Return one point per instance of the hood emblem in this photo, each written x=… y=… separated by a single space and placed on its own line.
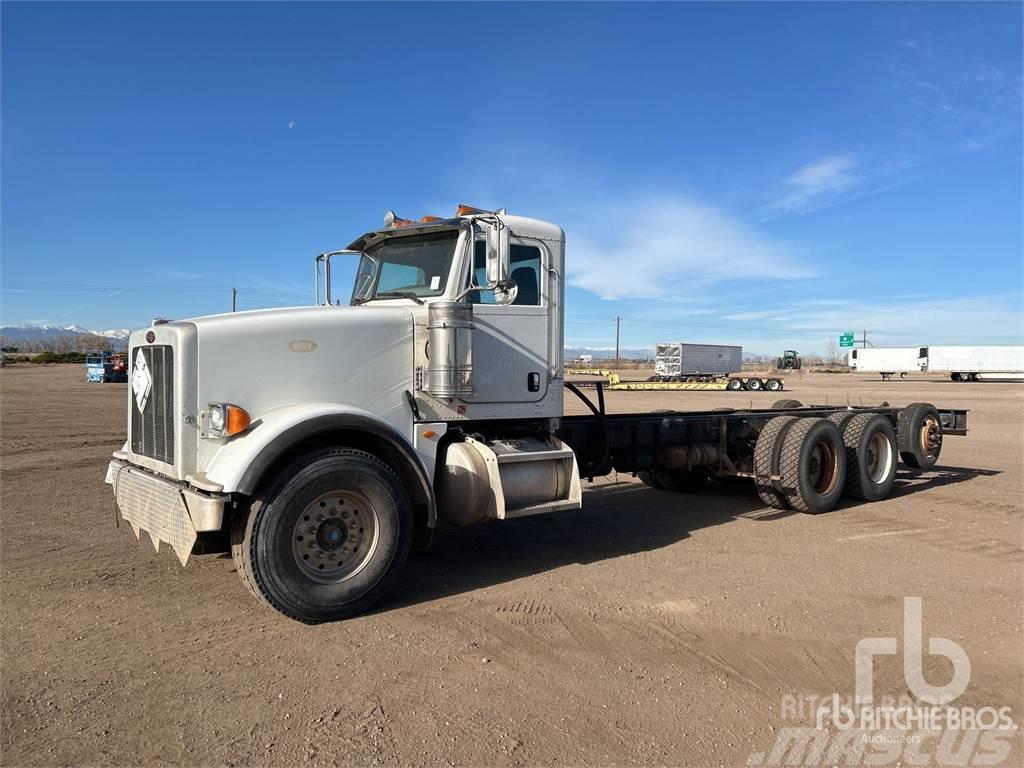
x=142 y=381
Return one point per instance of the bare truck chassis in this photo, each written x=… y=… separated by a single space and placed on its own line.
x=679 y=450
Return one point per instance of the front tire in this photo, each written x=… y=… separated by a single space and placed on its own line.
x=327 y=538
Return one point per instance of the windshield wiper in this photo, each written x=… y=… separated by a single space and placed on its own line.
x=400 y=295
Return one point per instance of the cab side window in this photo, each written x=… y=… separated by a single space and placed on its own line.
x=524 y=262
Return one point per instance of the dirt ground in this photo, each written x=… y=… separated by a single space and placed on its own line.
x=649 y=628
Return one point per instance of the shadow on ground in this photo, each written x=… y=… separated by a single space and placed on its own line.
x=617 y=519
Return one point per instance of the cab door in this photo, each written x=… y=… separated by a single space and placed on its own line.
x=510 y=343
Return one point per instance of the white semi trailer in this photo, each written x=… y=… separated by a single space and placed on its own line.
x=973 y=363
x=328 y=441
x=887 y=361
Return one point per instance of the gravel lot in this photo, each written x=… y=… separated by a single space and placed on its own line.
x=650 y=628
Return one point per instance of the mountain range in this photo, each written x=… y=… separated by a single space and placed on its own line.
x=22 y=333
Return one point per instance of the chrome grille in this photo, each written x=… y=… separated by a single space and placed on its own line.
x=153 y=429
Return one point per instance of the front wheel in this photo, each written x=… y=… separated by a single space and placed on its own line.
x=328 y=537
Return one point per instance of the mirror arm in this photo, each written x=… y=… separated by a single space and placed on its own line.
x=325 y=259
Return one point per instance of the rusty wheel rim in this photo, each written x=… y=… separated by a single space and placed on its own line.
x=930 y=436
x=823 y=467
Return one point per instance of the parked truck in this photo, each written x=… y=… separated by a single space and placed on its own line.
x=887 y=361
x=329 y=441
x=973 y=363
x=106 y=366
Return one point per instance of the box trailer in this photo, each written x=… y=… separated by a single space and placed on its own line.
x=973 y=363
x=695 y=362
x=886 y=361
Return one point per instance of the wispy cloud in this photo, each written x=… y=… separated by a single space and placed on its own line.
x=817 y=184
x=948 y=93
x=670 y=248
x=895 y=322
x=178 y=274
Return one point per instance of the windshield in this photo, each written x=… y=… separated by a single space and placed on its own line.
x=411 y=267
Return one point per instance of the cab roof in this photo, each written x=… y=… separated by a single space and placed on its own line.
x=521 y=226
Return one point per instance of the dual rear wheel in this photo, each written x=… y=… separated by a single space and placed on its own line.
x=808 y=464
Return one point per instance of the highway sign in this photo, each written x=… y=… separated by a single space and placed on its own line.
x=846 y=339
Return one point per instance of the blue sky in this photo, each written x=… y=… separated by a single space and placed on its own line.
x=764 y=174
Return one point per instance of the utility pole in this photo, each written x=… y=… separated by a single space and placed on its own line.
x=618 y=322
x=234 y=299
x=864 y=340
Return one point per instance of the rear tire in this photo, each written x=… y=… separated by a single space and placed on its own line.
x=650 y=479
x=767 y=451
x=841 y=418
x=681 y=480
x=734 y=385
x=774 y=385
x=870 y=443
x=813 y=465
x=783 y=405
x=316 y=566
x=919 y=435
x=754 y=385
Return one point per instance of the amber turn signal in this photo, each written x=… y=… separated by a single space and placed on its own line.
x=237 y=420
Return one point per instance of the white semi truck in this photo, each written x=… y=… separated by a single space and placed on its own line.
x=973 y=363
x=887 y=361
x=328 y=441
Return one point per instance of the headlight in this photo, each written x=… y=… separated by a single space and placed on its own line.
x=225 y=420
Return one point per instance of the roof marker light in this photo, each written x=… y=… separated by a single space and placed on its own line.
x=392 y=220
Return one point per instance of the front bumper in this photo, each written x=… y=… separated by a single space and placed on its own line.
x=168 y=511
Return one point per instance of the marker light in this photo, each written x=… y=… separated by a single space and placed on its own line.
x=467 y=210
x=392 y=220
x=428 y=219
x=225 y=419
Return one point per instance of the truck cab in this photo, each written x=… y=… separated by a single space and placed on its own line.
x=448 y=348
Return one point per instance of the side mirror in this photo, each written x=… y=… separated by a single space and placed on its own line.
x=497 y=254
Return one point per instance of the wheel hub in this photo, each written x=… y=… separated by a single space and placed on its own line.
x=334 y=536
x=931 y=436
x=823 y=467
x=331 y=534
